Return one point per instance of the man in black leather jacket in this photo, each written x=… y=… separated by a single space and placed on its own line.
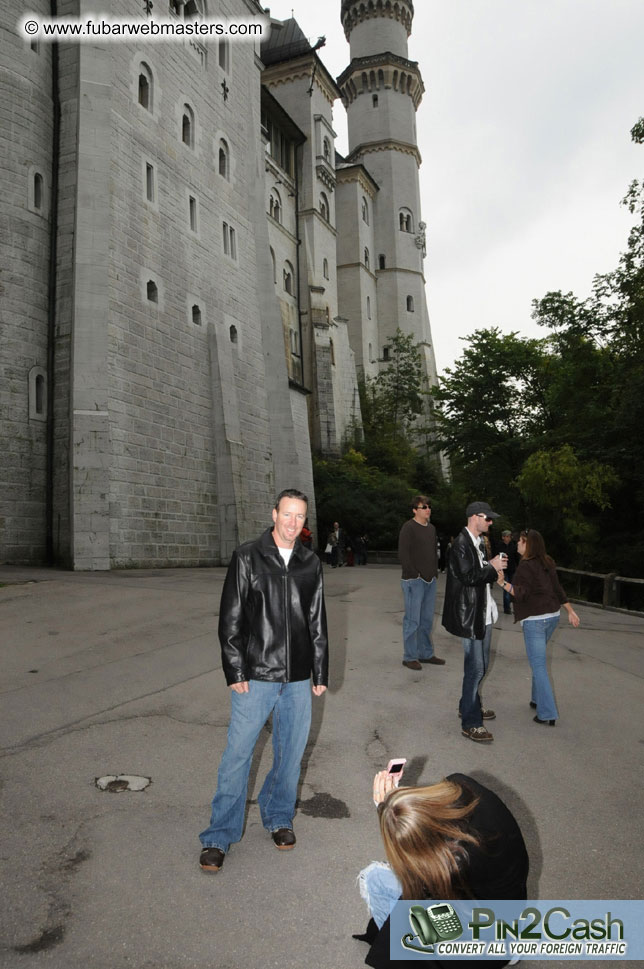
x=469 y=611
x=273 y=635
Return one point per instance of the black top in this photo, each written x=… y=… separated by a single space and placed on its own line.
x=498 y=868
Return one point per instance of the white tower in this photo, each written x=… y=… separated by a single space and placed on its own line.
x=381 y=90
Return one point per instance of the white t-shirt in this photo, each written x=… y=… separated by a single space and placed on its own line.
x=285 y=553
x=491 y=611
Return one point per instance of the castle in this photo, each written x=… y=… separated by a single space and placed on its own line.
x=192 y=278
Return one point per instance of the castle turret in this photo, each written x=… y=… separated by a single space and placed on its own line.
x=381 y=90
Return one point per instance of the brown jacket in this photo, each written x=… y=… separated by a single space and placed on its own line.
x=536 y=590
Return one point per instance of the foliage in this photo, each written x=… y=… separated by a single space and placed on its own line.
x=363 y=499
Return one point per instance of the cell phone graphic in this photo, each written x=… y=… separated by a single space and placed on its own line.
x=436 y=923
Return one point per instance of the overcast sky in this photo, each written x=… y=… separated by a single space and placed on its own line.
x=524 y=131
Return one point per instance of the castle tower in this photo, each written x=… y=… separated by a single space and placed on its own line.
x=381 y=90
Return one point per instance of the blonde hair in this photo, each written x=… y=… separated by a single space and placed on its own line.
x=425 y=835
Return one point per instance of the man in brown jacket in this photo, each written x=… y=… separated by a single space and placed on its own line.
x=417 y=554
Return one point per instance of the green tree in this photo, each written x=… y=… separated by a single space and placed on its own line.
x=391 y=404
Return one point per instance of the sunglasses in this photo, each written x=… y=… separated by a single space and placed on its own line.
x=487 y=517
x=423 y=506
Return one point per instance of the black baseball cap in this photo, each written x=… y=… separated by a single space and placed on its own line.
x=480 y=508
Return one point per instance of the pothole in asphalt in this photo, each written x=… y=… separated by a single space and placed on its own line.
x=114 y=783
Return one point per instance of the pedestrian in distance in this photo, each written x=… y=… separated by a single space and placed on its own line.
x=510 y=548
x=417 y=554
x=470 y=611
x=273 y=636
x=450 y=840
x=538 y=598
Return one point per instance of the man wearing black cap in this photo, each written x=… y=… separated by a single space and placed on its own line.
x=470 y=612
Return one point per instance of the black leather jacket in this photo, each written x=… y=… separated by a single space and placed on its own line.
x=272 y=619
x=465 y=595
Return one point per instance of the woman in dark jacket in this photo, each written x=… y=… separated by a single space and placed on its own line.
x=538 y=598
x=471 y=847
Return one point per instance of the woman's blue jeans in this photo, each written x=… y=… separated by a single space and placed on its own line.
x=536 y=633
x=420 y=600
x=290 y=704
x=380 y=889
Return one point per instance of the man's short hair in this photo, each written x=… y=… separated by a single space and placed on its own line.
x=420 y=500
x=290 y=493
x=506 y=531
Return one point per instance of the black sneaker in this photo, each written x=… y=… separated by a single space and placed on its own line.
x=211 y=859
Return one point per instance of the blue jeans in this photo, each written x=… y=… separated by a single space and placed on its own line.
x=290 y=704
x=380 y=889
x=536 y=633
x=475 y=664
x=420 y=599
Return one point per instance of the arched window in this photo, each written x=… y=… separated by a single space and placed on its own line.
x=326 y=149
x=40 y=394
x=188 y=126
x=38 y=190
x=332 y=349
x=410 y=304
x=365 y=210
x=152 y=291
x=273 y=264
x=224 y=158
x=288 y=277
x=275 y=205
x=366 y=258
x=368 y=307
x=385 y=353
x=324 y=207
x=233 y=333
x=325 y=268
x=193 y=9
x=196 y=315
x=370 y=353
x=374 y=100
x=382 y=262
x=406 y=221
x=146 y=87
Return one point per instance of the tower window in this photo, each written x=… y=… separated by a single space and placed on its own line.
x=365 y=210
x=224 y=158
x=149 y=182
x=196 y=315
x=366 y=258
x=382 y=262
x=288 y=276
x=192 y=210
x=224 y=55
x=152 y=291
x=145 y=87
x=374 y=100
x=385 y=353
x=37 y=190
x=275 y=205
x=230 y=240
x=273 y=264
x=326 y=148
x=406 y=221
x=233 y=333
x=188 y=126
x=325 y=268
x=368 y=307
x=332 y=349
x=324 y=207
x=410 y=304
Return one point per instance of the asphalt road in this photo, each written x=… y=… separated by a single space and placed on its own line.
x=107 y=674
